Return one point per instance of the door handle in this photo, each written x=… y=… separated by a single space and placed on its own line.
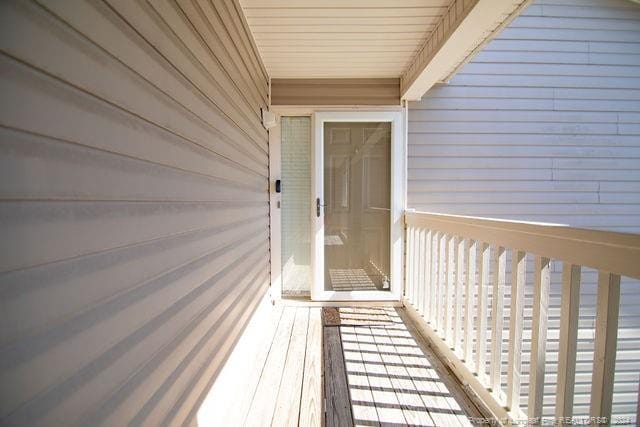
x=318 y=206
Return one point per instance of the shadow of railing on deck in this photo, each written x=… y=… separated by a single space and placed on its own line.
x=388 y=378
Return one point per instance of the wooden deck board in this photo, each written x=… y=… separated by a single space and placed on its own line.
x=384 y=396
x=287 y=410
x=264 y=399
x=413 y=407
x=357 y=380
x=311 y=402
x=338 y=408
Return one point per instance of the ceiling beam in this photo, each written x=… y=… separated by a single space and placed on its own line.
x=465 y=26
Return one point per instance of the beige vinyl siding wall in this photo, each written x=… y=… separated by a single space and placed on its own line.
x=544 y=125
x=133 y=206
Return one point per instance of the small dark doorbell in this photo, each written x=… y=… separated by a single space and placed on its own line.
x=278 y=186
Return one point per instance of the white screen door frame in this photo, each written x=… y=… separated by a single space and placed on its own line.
x=398 y=195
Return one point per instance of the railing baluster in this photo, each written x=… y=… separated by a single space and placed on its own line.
x=570 y=303
x=420 y=249
x=444 y=280
x=604 y=360
x=451 y=283
x=435 y=279
x=541 y=284
x=442 y=283
x=427 y=275
x=516 y=318
x=457 y=319
x=408 y=290
x=416 y=264
x=483 y=289
x=468 y=305
x=497 y=305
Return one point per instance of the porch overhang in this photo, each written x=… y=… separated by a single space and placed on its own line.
x=339 y=48
x=461 y=32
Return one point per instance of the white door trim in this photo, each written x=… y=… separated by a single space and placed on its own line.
x=398 y=185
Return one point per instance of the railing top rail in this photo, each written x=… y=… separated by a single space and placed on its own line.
x=617 y=253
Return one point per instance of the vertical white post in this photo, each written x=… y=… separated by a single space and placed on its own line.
x=416 y=266
x=497 y=319
x=541 y=284
x=516 y=319
x=469 y=301
x=442 y=283
x=483 y=289
x=570 y=303
x=426 y=295
x=458 y=298
x=421 y=279
x=451 y=279
x=435 y=280
x=604 y=360
x=408 y=287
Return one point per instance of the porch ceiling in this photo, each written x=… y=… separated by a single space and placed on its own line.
x=341 y=38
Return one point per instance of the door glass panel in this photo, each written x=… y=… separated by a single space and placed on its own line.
x=357 y=196
x=295 y=204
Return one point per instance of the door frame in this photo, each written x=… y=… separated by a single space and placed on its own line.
x=397 y=203
x=397 y=116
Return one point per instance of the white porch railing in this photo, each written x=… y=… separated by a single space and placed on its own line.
x=450 y=273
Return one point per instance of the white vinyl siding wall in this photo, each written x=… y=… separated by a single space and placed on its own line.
x=544 y=125
x=133 y=206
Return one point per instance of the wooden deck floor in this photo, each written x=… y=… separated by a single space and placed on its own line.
x=372 y=368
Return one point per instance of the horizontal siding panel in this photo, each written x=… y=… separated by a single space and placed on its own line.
x=469 y=173
x=542 y=46
x=55 y=170
x=483 y=104
x=51 y=231
x=504 y=197
x=589 y=118
x=557 y=81
x=552 y=69
x=524 y=140
x=514 y=128
x=133 y=190
x=577 y=22
x=65 y=292
x=543 y=126
x=593 y=11
x=45 y=107
x=570 y=34
x=500 y=151
x=506 y=186
x=475 y=162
